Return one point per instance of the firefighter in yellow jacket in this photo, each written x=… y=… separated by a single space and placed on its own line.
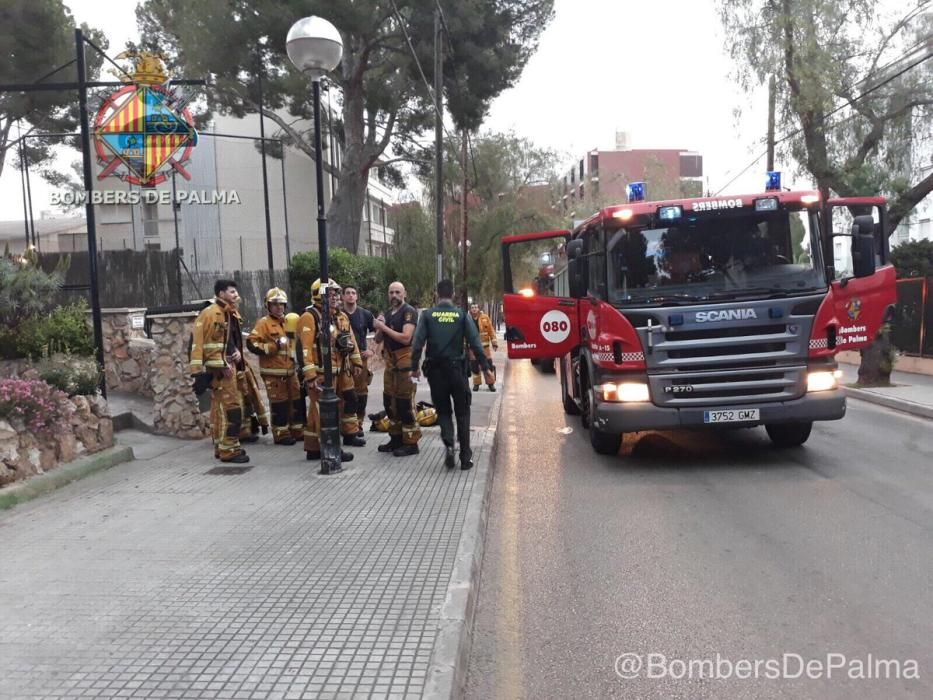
x=345 y=362
x=487 y=336
x=269 y=340
x=217 y=348
x=254 y=410
x=394 y=329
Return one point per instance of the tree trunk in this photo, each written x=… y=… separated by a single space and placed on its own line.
x=345 y=215
x=877 y=360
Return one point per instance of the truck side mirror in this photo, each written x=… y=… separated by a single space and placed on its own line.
x=574 y=249
x=576 y=272
x=863 y=246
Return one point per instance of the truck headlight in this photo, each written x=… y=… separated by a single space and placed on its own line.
x=626 y=392
x=824 y=380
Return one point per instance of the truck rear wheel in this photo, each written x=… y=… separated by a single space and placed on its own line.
x=570 y=406
x=789 y=434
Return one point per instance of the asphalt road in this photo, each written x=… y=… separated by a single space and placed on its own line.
x=711 y=553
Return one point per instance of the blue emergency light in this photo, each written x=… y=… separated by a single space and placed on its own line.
x=773 y=181
x=635 y=192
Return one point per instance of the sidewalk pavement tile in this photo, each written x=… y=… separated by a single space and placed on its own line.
x=910 y=392
x=157 y=579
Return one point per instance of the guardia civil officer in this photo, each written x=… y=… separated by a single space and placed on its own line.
x=444 y=328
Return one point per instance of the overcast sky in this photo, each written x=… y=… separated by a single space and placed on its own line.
x=655 y=69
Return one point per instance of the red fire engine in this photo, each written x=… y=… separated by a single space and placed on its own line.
x=719 y=311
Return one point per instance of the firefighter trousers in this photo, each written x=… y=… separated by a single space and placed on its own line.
x=226 y=416
x=254 y=411
x=399 y=396
x=287 y=413
x=349 y=425
x=489 y=375
x=361 y=387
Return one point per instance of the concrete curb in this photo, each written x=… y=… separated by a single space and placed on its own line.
x=911 y=407
x=65 y=474
x=446 y=676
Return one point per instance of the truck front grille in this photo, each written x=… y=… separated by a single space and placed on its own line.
x=727 y=387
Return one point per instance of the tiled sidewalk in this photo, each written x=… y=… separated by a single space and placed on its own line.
x=157 y=579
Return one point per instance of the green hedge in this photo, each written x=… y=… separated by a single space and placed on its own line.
x=369 y=275
x=63 y=330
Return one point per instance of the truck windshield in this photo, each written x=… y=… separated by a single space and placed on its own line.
x=716 y=256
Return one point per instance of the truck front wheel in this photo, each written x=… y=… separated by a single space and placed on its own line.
x=603 y=443
x=789 y=434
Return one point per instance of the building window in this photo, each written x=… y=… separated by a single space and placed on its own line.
x=151 y=220
x=581 y=170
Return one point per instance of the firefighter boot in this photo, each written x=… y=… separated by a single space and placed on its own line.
x=406 y=451
x=394 y=443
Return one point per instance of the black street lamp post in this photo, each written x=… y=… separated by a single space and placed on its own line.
x=314 y=46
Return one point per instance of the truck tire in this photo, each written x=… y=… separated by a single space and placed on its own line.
x=586 y=402
x=570 y=406
x=789 y=434
x=605 y=443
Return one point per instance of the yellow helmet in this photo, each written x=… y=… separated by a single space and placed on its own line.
x=426 y=417
x=276 y=295
x=381 y=425
x=316 y=289
x=291 y=322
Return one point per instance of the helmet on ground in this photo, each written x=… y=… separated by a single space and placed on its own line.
x=291 y=322
x=380 y=422
x=426 y=417
x=277 y=296
x=316 y=287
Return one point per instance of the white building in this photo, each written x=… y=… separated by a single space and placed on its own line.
x=918 y=225
x=230 y=234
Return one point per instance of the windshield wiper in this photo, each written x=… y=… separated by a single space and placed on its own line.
x=661 y=298
x=762 y=292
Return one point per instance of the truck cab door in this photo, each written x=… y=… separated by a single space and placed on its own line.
x=864 y=286
x=540 y=315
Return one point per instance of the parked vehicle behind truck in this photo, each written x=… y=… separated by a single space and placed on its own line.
x=703 y=312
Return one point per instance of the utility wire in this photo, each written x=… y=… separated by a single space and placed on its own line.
x=826 y=116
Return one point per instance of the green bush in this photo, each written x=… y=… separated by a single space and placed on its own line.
x=76 y=376
x=64 y=330
x=366 y=273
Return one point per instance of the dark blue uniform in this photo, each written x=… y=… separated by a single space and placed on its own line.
x=445 y=330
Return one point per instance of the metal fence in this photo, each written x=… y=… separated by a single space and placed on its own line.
x=147 y=279
x=913 y=325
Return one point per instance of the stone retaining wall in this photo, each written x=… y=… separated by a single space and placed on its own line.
x=127 y=351
x=23 y=454
x=176 y=409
